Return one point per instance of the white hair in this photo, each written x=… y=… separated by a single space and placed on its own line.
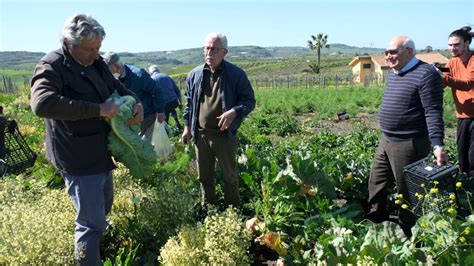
x=79 y=27
x=153 y=68
x=217 y=35
x=409 y=43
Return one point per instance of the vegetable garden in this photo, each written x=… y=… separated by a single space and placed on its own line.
x=303 y=188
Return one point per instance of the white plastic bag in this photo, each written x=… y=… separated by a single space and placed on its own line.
x=160 y=140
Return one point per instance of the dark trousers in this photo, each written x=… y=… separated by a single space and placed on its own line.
x=387 y=168
x=465 y=144
x=170 y=108
x=223 y=147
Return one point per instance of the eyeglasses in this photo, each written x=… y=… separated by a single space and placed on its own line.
x=393 y=51
x=212 y=49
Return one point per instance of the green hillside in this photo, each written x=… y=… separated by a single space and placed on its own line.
x=258 y=62
x=168 y=59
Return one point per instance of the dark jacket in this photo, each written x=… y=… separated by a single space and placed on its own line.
x=68 y=99
x=167 y=87
x=140 y=82
x=235 y=92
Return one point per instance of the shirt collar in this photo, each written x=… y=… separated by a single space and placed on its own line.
x=412 y=63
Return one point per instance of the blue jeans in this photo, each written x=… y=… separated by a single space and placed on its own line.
x=92 y=196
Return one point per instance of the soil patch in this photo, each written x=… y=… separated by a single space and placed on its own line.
x=344 y=124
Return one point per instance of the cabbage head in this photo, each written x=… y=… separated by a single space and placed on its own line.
x=125 y=144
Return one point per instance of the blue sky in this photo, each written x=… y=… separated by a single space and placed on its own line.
x=163 y=25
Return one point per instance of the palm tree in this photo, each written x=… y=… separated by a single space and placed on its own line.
x=317 y=42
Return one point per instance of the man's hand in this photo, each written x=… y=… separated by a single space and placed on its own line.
x=161 y=117
x=137 y=115
x=186 y=135
x=109 y=109
x=440 y=155
x=226 y=119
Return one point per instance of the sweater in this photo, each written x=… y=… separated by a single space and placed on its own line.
x=461 y=79
x=412 y=105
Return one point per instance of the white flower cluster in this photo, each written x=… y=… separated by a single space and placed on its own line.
x=221 y=240
x=36 y=226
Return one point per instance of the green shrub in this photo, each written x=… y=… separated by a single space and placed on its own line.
x=149 y=215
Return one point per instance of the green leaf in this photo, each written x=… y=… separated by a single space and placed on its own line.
x=125 y=143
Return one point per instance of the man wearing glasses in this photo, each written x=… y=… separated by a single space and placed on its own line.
x=218 y=98
x=411 y=121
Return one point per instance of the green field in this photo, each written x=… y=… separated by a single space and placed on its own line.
x=304 y=160
x=303 y=176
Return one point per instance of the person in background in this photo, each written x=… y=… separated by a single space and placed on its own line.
x=461 y=80
x=69 y=89
x=218 y=98
x=139 y=81
x=411 y=121
x=170 y=91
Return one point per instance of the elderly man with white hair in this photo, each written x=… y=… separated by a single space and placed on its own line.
x=69 y=90
x=411 y=121
x=218 y=98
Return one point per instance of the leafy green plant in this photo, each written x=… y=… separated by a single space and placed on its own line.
x=124 y=142
x=125 y=256
x=148 y=213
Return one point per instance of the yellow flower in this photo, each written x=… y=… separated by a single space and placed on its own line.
x=440 y=224
x=458 y=184
x=404 y=206
x=462 y=239
x=452 y=196
x=422 y=185
x=419 y=196
x=434 y=191
x=436 y=182
x=439 y=240
x=451 y=211
x=400 y=196
x=466 y=231
x=397 y=201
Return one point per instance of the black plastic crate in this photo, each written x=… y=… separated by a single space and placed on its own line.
x=420 y=178
x=15 y=154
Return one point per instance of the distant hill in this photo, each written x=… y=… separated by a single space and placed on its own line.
x=26 y=60
x=19 y=60
x=258 y=62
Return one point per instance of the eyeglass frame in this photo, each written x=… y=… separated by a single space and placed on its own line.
x=394 y=51
x=210 y=49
